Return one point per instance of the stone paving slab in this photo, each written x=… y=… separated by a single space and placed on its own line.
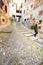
x=17 y=46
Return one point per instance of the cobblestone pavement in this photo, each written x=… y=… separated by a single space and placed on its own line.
x=15 y=48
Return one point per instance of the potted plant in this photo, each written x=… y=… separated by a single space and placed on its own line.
x=40 y=21
x=41 y=63
x=32 y=26
x=12 y=19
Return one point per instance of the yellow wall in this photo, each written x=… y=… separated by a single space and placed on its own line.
x=5 y=2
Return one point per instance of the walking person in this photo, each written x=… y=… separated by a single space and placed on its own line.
x=36 y=30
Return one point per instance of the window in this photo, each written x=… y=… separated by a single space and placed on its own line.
x=18 y=11
x=24 y=11
x=25 y=0
x=24 y=19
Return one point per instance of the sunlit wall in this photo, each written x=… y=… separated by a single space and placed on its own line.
x=18 y=2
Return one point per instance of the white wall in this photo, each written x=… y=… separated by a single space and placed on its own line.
x=12 y=9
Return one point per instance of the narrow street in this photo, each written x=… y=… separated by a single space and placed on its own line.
x=21 y=32
x=16 y=47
